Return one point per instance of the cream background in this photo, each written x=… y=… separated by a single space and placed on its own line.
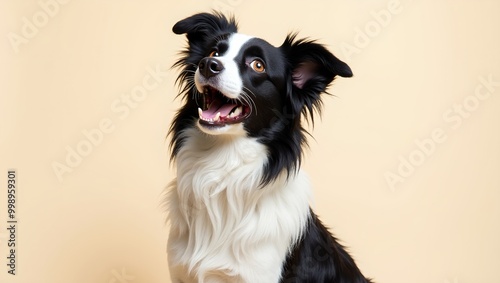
x=441 y=225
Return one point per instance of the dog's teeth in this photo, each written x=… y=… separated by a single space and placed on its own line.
x=200 y=112
x=217 y=117
x=236 y=112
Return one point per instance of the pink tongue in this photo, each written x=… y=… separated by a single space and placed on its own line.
x=215 y=108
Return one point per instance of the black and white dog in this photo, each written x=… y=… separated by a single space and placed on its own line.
x=239 y=207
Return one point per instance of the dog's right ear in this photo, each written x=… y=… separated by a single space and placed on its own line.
x=201 y=26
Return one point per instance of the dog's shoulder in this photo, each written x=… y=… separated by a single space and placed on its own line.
x=319 y=257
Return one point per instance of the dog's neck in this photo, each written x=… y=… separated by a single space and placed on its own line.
x=208 y=165
x=220 y=205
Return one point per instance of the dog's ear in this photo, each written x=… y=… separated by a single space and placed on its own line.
x=201 y=26
x=312 y=69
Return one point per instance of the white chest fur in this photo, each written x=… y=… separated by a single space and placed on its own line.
x=224 y=226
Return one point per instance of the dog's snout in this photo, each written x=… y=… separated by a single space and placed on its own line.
x=210 y=67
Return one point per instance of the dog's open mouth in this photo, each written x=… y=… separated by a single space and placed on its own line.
x=218 y=110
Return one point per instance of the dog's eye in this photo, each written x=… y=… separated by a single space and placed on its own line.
x=214 y=53
x=258 y=66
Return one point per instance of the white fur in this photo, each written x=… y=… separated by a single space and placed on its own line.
x=224 y=227
x=229 y=129
x=228 y=81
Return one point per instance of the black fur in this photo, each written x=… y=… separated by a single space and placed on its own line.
x=201 y=30
x=318 y=257
x=282 y=97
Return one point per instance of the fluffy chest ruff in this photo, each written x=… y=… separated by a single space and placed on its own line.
x=226 y=227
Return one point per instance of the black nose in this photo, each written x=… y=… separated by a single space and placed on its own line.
x=210 y=67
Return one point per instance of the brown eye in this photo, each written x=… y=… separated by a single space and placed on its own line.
x=213 y=54
x=258 y=66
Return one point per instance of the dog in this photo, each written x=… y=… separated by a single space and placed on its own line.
x=239 y=206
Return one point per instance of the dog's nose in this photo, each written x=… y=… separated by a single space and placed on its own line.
x=210 y=67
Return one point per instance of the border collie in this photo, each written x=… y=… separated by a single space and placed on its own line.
x=239 y=207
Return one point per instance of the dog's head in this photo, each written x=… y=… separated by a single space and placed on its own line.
x=235 y=84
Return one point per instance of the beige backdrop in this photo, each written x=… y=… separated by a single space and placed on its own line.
x=405 y=162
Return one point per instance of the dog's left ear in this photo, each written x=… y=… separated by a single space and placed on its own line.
x=202 y=26
x=313 y=68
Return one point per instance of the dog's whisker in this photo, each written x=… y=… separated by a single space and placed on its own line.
x=249 y=99
x=249 y=90
x=245 y=97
